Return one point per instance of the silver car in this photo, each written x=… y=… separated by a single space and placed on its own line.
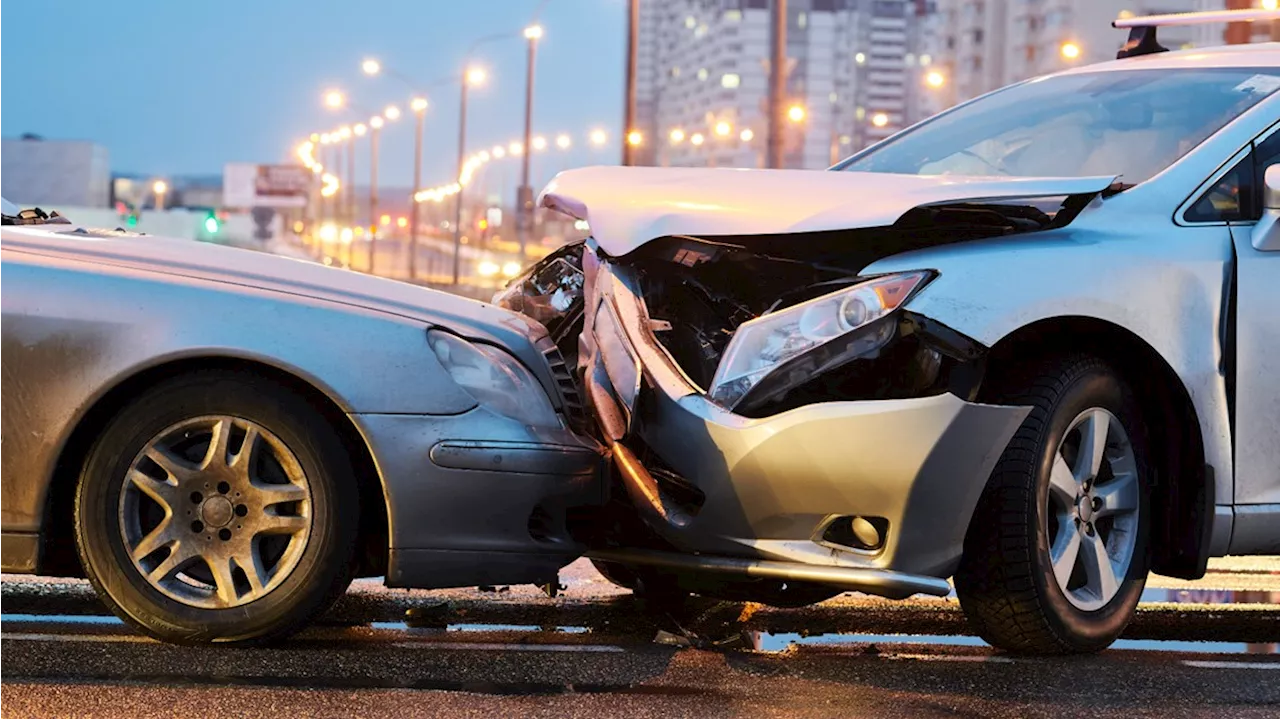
x=1032 y=344
x=221 y=439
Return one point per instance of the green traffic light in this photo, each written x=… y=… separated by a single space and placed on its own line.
x=211 y=225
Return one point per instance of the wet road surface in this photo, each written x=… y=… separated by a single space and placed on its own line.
x=597 y=652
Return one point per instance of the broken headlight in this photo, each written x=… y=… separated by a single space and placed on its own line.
x=843 y=324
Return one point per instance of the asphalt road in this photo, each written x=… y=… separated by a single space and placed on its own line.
x=596 y=652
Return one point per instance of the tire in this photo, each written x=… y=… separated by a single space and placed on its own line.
x=286 y=510
x=1006 y=581
x=662 y=586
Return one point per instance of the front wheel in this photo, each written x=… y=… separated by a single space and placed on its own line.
x=217 y=507
x=1056 y=554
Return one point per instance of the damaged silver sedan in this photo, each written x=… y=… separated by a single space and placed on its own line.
x=880 y=378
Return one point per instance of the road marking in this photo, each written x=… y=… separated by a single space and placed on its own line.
x=473 y=646
x=492 y=647
x=38 y=637
x=952 y=658
x=1200 y=664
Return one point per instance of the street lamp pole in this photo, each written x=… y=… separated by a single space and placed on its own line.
x=633 y=48
x=351 y=179
x=375 y=129
x=777 y=83
x=419 y=107
x=524 y=195
x=457 y=199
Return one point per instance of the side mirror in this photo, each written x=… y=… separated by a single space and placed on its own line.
x=1266 y=234
x=1271 y=188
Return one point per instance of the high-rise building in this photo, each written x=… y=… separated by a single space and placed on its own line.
x=984 y=45
x=856 y=74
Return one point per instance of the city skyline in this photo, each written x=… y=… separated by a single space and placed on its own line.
x=165 y=91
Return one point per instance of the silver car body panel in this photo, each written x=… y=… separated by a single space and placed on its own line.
x=1127 y=260
x=661 y=202
x=773 y=484
x=82 y=315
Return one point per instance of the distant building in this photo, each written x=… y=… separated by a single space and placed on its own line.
x=984 y=45
x=54 y=173
x=857 y=75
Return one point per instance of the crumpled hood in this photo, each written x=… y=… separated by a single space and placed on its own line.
x=249 y=270
x=630 y=206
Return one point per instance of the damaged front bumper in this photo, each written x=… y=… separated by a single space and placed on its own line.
x=868 y=495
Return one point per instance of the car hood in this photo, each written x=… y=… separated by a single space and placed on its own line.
x=246 y=270
x=627 y=207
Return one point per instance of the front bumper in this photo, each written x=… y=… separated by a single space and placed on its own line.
x=478 y=498
x=771 y=487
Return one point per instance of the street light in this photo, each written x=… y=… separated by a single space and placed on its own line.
x=935 y=79
x=796 y=113
x=371 y=67
x=539 y=143
x=635 y=139
x=746 y=135
x=563 y=142
x=471 y=75
x=1070 y=50
x=723 y=128
x=696 y=139
x=418 y=104
x=360 y=129
x=879 y=119
x=598 y=138
x=524 y=193
x=160 y=187
x=676 y=136
x=334 y=99
x=392 y=113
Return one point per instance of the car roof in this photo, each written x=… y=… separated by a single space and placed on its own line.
x=1265 y=54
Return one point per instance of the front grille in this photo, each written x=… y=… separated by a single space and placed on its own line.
x=570 y=398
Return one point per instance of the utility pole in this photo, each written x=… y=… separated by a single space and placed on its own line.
x=351 y=179
x=777 y=83
x=633 y=46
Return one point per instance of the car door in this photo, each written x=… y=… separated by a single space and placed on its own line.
x=1252 y=334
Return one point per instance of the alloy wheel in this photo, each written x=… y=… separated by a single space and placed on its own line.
x=1093 y=504
x=215 y=512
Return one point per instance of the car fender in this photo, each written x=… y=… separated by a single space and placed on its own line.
x=1114 y=263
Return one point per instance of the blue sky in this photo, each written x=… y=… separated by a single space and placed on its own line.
x=184 y=86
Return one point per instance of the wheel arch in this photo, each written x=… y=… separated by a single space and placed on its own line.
x=1180 y=538
x=57 y=537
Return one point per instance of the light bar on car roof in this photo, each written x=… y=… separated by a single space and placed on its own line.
x=1142 y=30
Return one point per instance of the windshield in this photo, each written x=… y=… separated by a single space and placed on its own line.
x=1131 y=123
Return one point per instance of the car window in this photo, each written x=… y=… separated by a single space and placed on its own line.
x=1129 y=123
x=1237 y=195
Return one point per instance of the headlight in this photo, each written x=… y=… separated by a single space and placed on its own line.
x=495 y=379
x=830 y=322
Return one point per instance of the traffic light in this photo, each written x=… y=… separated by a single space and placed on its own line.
x=212 y=224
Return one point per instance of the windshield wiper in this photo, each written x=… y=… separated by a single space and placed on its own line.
x=34 y=216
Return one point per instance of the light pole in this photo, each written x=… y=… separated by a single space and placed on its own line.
x=419 y=107
x=469 y=75
x=630 y=135
x=372 y=67
x=524 y=194
x=777 y=83
x=375 y=129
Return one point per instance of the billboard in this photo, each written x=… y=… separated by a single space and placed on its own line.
x=246 y=185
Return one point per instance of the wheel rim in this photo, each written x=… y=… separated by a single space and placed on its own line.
x=215 y=512
x=1093 y=509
